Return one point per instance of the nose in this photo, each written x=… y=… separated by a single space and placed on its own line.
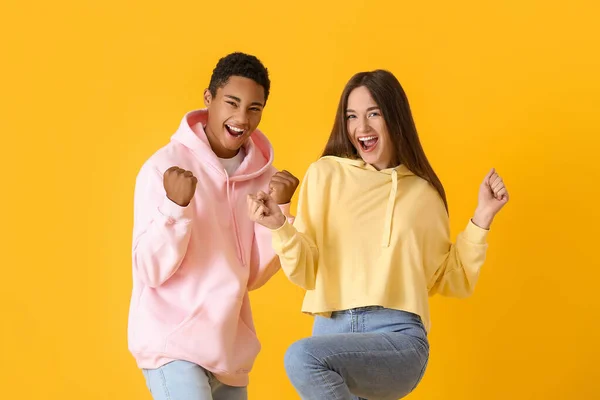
x=242 y=118
x=363 y=125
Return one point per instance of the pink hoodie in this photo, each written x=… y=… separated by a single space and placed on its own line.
x=193 y=266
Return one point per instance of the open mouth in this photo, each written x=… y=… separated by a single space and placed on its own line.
x=368 y=143
x=235 y=131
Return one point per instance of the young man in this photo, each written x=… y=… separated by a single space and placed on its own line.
x=196 y=254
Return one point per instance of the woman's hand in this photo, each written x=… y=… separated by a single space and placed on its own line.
x=492 y=197
x=265 y=211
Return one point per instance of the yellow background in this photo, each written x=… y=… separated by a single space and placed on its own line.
x=91 y=89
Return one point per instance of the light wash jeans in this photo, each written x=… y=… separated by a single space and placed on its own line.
x=183 y=380
x=362 y=353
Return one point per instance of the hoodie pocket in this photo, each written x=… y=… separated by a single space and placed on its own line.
x=225 y=346
x=194 y=340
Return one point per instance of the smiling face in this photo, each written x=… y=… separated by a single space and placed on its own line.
x=367 y=129
x=233 y=114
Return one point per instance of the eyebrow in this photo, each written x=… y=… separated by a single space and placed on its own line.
x=256 y=103
x=368 y=109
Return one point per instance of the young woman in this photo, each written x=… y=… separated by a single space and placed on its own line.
x=370 y=244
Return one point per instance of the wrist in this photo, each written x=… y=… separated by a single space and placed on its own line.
x=280 y=222
x=482 y=219
x=179 y=202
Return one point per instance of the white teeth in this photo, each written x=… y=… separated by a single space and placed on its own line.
x=238 y=130
x=364 y=139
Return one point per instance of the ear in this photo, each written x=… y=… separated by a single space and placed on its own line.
x=207 y=97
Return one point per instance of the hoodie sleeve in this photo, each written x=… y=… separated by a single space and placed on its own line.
x=161 y=229
x=452 y=269
x=295 y=244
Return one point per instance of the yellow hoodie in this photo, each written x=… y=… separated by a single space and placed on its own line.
x=365 y=237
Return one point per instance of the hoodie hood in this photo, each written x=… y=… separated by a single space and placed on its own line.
x=259 y=152
x=394 y=173
x=400 y=171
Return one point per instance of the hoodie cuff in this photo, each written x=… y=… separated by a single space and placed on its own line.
x=284 y=233
x=175 y=212
x=285 y=209
x=475 y=234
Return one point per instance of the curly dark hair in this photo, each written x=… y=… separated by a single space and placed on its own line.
x=239 y=64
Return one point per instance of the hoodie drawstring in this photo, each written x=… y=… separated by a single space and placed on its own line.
x=237 y=233
x=387 y=227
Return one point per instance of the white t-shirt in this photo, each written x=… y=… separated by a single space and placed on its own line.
x=232 y=164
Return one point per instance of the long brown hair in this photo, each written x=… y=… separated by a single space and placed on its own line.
x=393 y=103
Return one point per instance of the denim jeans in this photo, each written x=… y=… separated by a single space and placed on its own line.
x=362 y=353
x=183 y=380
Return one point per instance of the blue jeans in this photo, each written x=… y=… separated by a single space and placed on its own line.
x=183 y=380
x=362 y=353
